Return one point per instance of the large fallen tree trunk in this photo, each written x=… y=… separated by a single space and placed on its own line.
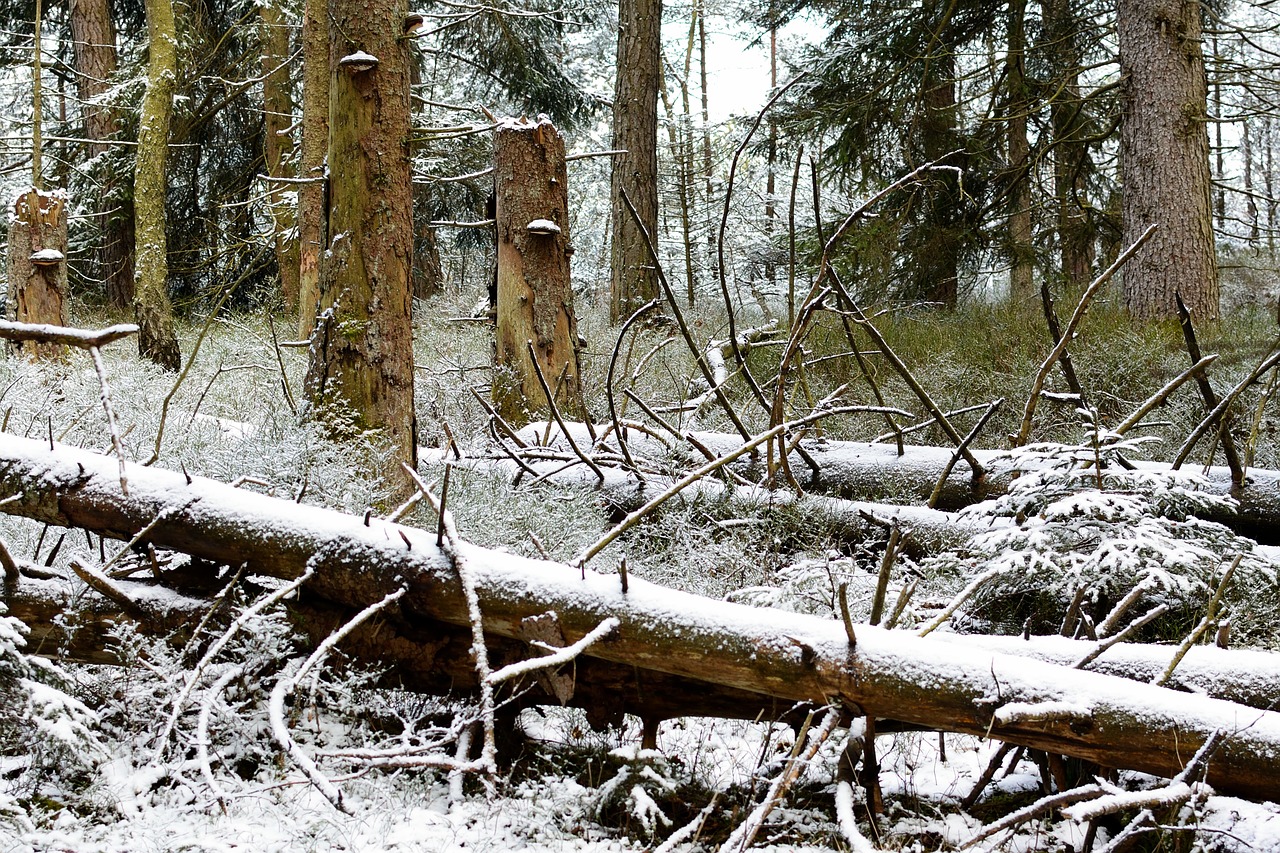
x=872 y=472
x=889 y=674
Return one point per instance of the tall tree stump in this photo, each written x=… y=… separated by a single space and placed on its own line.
x=38 y=266
x=535 y=299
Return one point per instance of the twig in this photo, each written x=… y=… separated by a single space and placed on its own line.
x=936 y=494
x=560 y=656
x=555 y=412
x=1211 y=613
x=1042 y=806
x=1158 y=398
x=1131 y=598
x=103 y=585
x=487 y=763
x=286 y=684
x=186 y=368
x=64 y=335
x=857 y=842
x=1152 y=614
x=680 y=321
x=212 y=652
x=1206 y=390
x=219 y=600
x=1213 y=417
x=960 y=598
x=1055 y=333
x=746 y=831
x=1037 y=385
x=112 y=426
x=284 y=377
x=903 y=597
x=843 y=594
x=886 y=566
x=634 y=518
x=608 y=385
x=202 y=732
x=988 y=773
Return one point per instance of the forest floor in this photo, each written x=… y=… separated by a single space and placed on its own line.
x=568 y=787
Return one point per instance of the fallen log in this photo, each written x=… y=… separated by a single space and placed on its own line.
x=890 y=674
x=875 y=472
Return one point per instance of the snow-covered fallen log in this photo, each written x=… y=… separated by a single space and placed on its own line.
x=874 y=472
x=933 y=682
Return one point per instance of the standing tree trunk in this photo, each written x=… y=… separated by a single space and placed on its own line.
x=635 y=131
x=535 y=298
x=315 y=144
x=157 y=339
x=1071 y=161
x=94 y=46
x=360 y=375
x=937 y=261
x=1164 y=156
x=1022 y=290
x=37 y=265
x=277 y=108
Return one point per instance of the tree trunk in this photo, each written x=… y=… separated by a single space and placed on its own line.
x=37 y=266
x=535 y=298
x=935 y=683
x=1022 y=289
x=635 y=130
x=277 y=108
x=360 y=374
x=1071 y=163
x=157 y=339
x=937 y=260
x=315 y=144
x=94 y=47
x=1164 y=157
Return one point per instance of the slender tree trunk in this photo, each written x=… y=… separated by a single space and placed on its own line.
x=535 y=299
x=1164 y=151
x=1071 y=161
x=1022 y=289
x=708 y=177
x=157 y=339
x=360 y=375
x=315 y=144
x=635 y=130
x=37 y=268
x=277 y=107
x=677 y=139
x=1251 y=203
x=938 y=259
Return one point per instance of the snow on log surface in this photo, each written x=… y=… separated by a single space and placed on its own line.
x=931 y=681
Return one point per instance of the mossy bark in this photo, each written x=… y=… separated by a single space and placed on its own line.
x=315 y=144
x=360 y=376
x=157 y=339
x=535 y=297
x=37 y=292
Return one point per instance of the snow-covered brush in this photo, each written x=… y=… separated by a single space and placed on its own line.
x=1080 y=539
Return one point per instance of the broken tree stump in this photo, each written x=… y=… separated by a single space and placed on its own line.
x=38 y=266
x=535 y=297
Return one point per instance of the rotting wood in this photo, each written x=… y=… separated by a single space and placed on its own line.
x=787 y=656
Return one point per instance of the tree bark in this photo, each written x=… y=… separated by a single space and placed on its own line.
x=360 y=375
x=635 y=131
x=1022 y=289
x=38 y=287
x=1164 y=157
x=315 y=145
x=888 y=674
x=277 y=108
x=535 y=298
x=1071 y=162
x=157 y=339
